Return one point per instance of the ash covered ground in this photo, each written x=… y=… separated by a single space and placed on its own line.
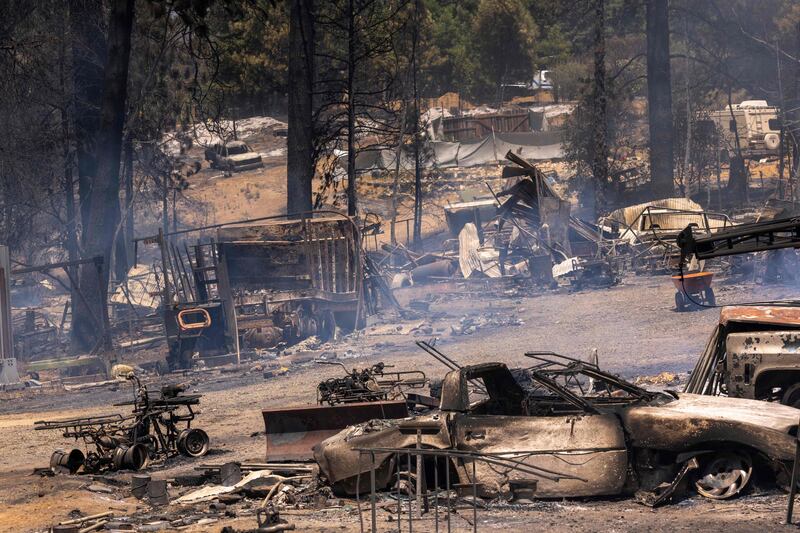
x=633 y=327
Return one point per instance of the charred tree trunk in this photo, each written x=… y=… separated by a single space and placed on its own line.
x=737 y=172
x=71 y=238
x=659 y=99
x=129 y=220
x=88 y=60
x=417 y=136
x=793 y=122
x=599 y=147
x=104 y=199
x=300 y=141
x=351 y=109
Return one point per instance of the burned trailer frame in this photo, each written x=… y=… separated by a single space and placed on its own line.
x=261 y=281
x=304 y=275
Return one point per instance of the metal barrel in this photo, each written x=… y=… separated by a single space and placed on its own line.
x=62 y=462
x=139 y=485
x=157 y=492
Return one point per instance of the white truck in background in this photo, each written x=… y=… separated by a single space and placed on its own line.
x=758 y=127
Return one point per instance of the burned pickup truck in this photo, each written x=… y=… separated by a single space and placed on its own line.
x=753 y=351
x=233 y=156
x=586 y=433
x=256 y=285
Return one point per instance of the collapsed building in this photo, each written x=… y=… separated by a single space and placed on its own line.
x=259 y=283
x=526 y=230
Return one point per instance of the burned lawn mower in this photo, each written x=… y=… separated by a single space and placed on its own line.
x=130 y=442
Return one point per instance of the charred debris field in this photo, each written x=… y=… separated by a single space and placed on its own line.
x=359 y=265
x=628 y=340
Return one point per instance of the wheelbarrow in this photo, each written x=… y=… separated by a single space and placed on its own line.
x=693 y=289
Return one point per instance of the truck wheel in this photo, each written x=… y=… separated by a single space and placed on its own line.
x=792 y=396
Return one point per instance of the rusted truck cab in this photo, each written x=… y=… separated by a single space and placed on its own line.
x=753 y=353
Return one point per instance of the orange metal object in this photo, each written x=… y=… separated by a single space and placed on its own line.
x=184 y=325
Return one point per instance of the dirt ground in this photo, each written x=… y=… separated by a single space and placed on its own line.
x=632 y=325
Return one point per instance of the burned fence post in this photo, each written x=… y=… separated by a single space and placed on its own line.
x=793 y=481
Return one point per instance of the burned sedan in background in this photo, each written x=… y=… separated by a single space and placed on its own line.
x=587 y=432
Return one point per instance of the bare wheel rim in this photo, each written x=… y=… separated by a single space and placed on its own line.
x=196 y=443
x=725 y=475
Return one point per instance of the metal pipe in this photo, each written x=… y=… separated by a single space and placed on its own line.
x=793 y=486
x=420 y=461
x=447 y=487
x=474 y=498
x=410 y=506
x=436 y=495
x=372 y=494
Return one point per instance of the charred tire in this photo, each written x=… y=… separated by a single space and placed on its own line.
x=130 y=457
x=193 y=442
x=724 y=474
x=680 y=302
x=792 y=396
x=63 y=462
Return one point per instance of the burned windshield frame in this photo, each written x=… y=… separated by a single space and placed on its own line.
x=554 y=364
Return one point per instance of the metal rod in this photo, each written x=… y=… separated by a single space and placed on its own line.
x=474 y=498
x=498 y=460
x=436 y=494
x=398 y=459
x=245 y=221
x=410 y=505
x=447 y=487
x=420 y=473
x=52 y=266
x=372 y=495
x=793 y=486
x=358 y=491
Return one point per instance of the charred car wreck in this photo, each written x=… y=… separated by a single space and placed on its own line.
x=588 y=432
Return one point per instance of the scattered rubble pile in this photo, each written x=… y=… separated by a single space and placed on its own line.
x=216 y=492
x=377 y=383
x=524 y=231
